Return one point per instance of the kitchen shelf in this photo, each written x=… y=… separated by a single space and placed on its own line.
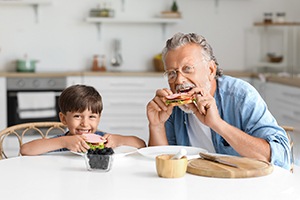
x=158 y=20
x=34 y=3
x=277 y=24
x=270 y=64
x=287 y=33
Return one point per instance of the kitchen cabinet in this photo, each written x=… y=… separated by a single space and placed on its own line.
x=280 y=39
x=106 y=20
x=283 y=103
x=73 y=80
x=34 y=3
x=3 y=121
x=124 y=101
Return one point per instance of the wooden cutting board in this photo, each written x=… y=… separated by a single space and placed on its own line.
x=247 y=167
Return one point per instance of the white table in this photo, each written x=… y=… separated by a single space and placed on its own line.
x=64 y=177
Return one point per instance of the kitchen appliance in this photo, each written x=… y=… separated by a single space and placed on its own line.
x=116 y=59
x=33 y=99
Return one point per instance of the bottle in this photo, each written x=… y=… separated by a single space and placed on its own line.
x=102 y=61
x=99 y=60
x=95 y=63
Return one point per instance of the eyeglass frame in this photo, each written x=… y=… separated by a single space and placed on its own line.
x=166 y=76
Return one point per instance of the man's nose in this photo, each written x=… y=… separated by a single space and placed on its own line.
x=179 y=78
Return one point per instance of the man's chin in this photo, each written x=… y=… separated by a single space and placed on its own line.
x=185 y=109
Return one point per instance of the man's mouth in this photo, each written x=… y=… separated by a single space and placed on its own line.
x=184 y=88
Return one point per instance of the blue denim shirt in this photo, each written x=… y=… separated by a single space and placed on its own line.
x=65 y=134
x=240 y=105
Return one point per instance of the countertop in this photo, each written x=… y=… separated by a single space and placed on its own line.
x=285 y=80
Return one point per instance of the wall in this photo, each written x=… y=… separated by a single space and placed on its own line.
x=63 y=41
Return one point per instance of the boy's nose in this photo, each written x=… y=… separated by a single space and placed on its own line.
x=82 y=123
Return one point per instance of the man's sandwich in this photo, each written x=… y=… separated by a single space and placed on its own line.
x=178 y=99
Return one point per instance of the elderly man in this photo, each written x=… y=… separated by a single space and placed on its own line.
x=227 y=115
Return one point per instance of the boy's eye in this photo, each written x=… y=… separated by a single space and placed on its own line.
x=76 y=116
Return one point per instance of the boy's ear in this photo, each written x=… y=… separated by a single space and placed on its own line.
x=62 y=118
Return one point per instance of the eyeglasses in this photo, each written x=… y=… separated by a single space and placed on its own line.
x=171 y=75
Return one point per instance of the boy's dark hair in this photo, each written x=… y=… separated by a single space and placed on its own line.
x=78 y=98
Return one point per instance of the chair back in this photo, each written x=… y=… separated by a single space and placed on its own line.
x=21 y=133
x=289 y=129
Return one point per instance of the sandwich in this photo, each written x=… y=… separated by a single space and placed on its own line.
x=94 y=141
x=178 y=99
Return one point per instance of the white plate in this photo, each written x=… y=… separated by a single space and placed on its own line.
x=124 y=150
x=77 y=153
x=153 y=151
x=119 y=151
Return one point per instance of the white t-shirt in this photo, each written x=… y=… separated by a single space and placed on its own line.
x=199 y=134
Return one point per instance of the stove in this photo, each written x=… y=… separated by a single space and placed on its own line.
x=33 y=99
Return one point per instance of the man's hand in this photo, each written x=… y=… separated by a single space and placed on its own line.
x=157 y=111
x=205 y=107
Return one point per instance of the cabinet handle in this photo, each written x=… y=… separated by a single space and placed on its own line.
x=131 y=128
x=132 y=104
x=297 y=113
x=297 y=96
x=285 y=101
x=291 y=118
x=122 y=84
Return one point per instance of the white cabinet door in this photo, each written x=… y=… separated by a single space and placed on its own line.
x=3 y=104
x=283 y=102
x=125 y=99
x=72 y=80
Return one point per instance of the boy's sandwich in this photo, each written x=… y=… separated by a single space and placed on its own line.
x=94 y=141
x=178 y=99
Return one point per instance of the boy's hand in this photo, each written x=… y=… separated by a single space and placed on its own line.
x=76 y=143
x=112 y=140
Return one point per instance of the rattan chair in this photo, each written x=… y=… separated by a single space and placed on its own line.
x=289 y=129
x=33 y=130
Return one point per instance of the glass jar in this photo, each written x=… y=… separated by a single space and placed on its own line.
x=100 y=163
x=280 y=17
x=268 y=17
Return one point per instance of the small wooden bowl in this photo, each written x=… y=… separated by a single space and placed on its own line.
x=167 y=168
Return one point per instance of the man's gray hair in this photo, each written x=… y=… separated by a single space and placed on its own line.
x=180 y=39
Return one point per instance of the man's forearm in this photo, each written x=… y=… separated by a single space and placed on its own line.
x=157 y=135
x=245 y=144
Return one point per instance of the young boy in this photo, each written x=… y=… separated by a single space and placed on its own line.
x=80 y=109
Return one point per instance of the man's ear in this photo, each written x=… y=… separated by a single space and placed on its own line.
x=62 y=118
x=212 y=70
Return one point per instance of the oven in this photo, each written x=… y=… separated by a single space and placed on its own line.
x=33 y=99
